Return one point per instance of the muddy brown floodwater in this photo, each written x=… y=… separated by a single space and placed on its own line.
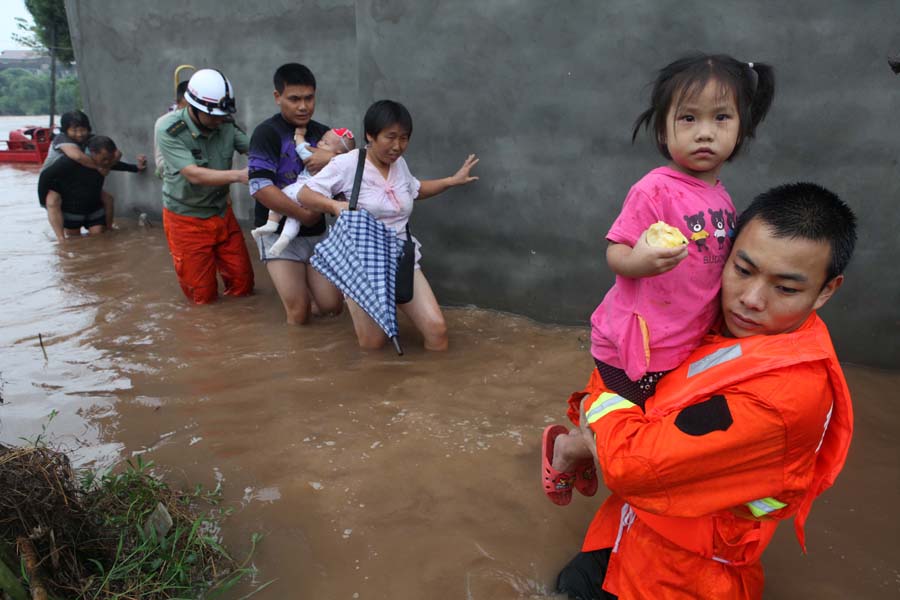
x=370 y=476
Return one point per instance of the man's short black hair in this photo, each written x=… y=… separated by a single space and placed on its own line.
x=101 y=143
x=293 y=74
x=180 y=90
x=74 y=118
x=810 y=212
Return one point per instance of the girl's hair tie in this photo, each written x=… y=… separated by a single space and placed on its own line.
x=754 y=78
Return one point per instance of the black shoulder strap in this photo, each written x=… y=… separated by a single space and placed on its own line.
x=179 y=130
x=357 y=180
x=230 y=119
x=176 y=128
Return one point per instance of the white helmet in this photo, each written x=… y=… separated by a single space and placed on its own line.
x=210 y=91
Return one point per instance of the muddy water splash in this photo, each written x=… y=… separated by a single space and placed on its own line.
x=371 y=476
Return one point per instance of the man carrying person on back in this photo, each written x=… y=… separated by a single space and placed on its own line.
x=197 y=144
x=73 y=193
x=273 y=165
x=746 y=433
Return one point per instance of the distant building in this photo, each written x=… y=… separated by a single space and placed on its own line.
x=31 y=60
x=21 y=54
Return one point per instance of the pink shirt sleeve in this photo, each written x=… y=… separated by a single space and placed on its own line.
x=413 y=183
x=336 y=176
x=638 y=213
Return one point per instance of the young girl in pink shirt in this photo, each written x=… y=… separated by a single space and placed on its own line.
x=702 y=109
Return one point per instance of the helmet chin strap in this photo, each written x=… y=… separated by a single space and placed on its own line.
x=195 y=116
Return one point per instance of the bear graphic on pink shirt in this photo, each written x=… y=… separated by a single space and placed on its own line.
x=696 y=223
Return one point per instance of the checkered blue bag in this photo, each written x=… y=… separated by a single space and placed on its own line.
x=360 y=257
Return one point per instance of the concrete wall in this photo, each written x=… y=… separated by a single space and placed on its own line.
x=545 y=94
x=127 y=52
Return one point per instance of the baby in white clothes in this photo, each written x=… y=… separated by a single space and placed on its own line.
x=338 y=140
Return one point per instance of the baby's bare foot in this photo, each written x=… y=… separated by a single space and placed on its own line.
x=569 y=450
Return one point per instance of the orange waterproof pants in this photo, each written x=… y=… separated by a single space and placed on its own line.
x=200 y=246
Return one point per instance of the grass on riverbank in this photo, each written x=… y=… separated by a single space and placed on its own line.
x=125 y=534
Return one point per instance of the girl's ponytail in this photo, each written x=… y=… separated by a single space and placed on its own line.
x=643 y=120
x=762 y=86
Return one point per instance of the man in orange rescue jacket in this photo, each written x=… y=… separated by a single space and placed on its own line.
x=747 y=432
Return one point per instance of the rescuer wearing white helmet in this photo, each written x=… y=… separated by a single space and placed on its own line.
x=210 y=92
x=197 y=144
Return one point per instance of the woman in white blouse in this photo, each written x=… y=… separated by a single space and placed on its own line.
x=387 y=191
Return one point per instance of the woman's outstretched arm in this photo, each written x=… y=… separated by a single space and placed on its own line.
x=433 y=187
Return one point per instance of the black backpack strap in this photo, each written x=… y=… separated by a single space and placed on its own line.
x=357 y=180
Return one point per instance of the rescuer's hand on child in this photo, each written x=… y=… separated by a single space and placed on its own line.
x=571 y=449
x=318 y=160
x=587 y=435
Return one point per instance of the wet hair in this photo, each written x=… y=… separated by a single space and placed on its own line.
x=180 y=90
x=74 y=118
x=806 y=211
x=293 y=74
x=751 y=84
x=101 y=143
x=385 y=113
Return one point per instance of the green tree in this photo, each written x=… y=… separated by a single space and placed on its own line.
x=51 y=31
x=25 y=93
x=68 y=94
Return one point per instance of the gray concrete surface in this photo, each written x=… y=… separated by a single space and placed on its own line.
x=545 y=94
x=127 y=53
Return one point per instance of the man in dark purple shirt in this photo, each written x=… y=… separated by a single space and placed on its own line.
x=274 y=164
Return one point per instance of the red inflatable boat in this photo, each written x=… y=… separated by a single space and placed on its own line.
x=29 y=144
